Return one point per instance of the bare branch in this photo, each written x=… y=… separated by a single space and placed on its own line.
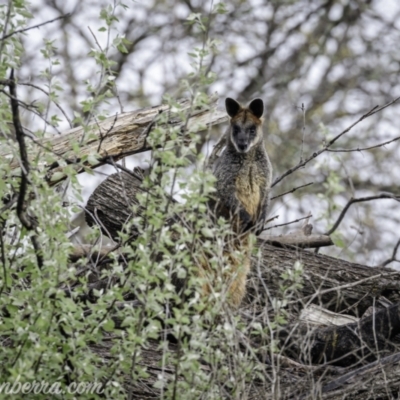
x=287 y=223
x=332 y=141
x=33 y=27
x=128 y=135
x=48 y=94
x=362 y=199
x=6 y=82
x=271 y=219
x=303 y=109
x=31 y=107
x=363 y=148
x=292 y=190
x=394 y=254
x=28 y=222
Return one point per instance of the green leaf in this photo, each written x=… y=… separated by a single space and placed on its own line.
x=57 y=176
x=109 y=325
x=93 y=159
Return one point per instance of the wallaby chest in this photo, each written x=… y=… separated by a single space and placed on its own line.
x=250 y=187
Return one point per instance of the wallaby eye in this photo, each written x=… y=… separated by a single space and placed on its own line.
x=252 y=130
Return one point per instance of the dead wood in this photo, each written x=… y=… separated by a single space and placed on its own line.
x=303 y=241
x=114 y=138
x=345 y=345
x=335 y=284
x=357 y=382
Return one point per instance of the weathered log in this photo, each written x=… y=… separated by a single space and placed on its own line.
x=110 y=205
x=307 y=242
x=114 y=138
x=335 y=284
x=345 y=345
x=382 y=376
x=316 y=315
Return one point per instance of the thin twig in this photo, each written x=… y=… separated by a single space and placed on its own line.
x=292 y=190
x=363 y=148
x=303 y=109
x=110 y=73
x=361 y=199
x=287 y=223
x=3 y=260
x=30 y=107
x=5 y=25
x=373 y=111
x=95 y=39
x=6 y=82
x=271 y=219
x=102 y=137
x=48 y=94
x=33 y=27
x=109 y=70
x=393 y=258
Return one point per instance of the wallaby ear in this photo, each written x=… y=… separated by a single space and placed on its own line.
x=257 y=107
x=232 y=107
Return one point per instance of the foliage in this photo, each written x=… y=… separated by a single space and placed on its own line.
x=54 y=324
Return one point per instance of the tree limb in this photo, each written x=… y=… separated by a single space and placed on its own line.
x=33 y=27
x=292 y=190
x=27 y=221
x=393 y=258
x=361 y=199
x=363 y=148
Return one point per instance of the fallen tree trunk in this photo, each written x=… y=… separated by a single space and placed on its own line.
x=331 y=283
x=336 y=284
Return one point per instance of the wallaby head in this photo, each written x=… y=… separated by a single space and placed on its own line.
x=246 y=124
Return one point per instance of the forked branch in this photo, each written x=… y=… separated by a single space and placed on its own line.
x=362 y=199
